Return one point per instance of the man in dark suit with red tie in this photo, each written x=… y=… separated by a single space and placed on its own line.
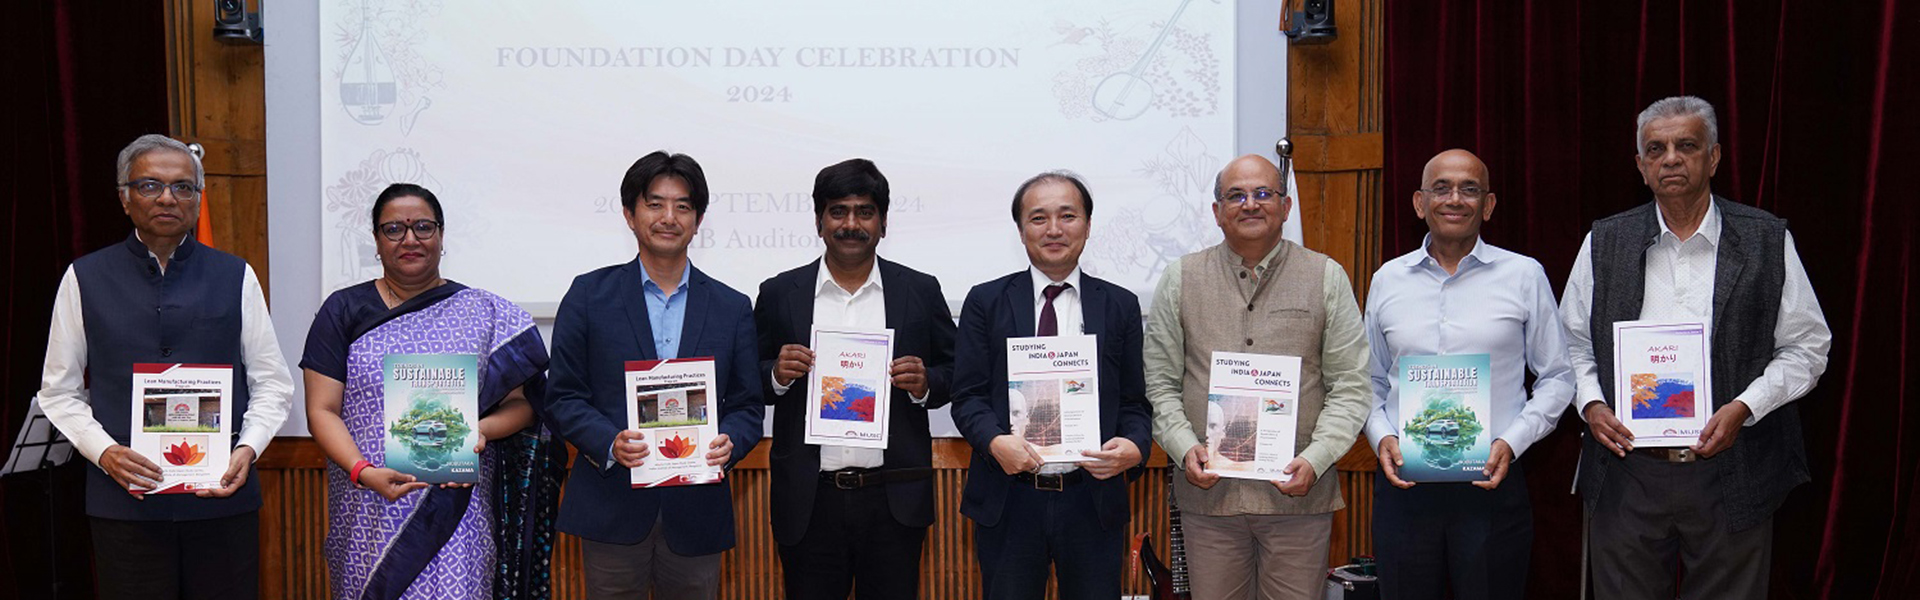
x=1029 y=516
x=853 y=519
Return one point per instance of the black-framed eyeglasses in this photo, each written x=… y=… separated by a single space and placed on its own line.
x=1469 y=192
x=152 y=188
x=1259 y=195
x=395 y=231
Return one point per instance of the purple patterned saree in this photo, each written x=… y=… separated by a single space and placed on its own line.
x=489 y=541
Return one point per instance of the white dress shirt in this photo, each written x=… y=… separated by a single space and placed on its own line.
x=1066 y=306
x=864 y=308
x=1067 y=321
x=64 y=396
x=1496 y=303
x=1679 y=287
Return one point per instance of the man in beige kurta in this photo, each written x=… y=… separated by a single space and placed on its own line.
x=1256 y=293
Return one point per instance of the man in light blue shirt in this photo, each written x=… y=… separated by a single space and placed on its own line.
x=1458 y=295
x=664 y=541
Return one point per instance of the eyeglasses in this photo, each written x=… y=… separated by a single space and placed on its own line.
x=151 y=189
x=1469 y=192
x=395 y=231
x=1260 y=195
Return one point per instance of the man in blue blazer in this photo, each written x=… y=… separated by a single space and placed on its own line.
x=1028 y=515
x=853 y=520
x=664 y=540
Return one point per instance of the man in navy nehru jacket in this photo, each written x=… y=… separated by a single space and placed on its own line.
x=162 y=298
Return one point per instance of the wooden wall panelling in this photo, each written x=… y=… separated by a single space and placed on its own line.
x=1334 y=98
x=293 y=519
x=218 y=99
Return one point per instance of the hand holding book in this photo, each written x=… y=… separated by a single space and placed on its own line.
x=1301 y=478
x=630 y=448
x=389 y=483
x=1196 y=468
x=1114 y=458
x=1498 y=461
x=129 y=468
x=1391 y=461
x=722 y=448
x=236 y=476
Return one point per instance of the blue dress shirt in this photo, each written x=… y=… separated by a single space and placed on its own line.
x=1497 y=303
x=666 y=313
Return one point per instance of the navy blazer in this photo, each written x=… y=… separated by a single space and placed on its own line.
x=601 y=324
x=922 y=326
x=1003 y=308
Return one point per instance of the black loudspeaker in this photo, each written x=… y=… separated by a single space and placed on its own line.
x=234 y=24
x=1313 y=24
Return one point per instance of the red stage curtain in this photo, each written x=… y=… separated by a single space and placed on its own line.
x=85 y=78
x=1817 y=125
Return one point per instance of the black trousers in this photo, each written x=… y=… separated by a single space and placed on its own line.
x=1436 y=537
x=1654 y=516
x=853 y=545
x=184 y=560
x=1041 y=528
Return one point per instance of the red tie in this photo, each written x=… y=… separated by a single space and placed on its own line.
x=1049 y=323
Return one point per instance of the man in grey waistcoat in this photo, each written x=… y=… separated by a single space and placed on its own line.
x=1257 y=293
x=1692 y=256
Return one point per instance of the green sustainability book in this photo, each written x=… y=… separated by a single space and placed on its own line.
x=1445 y=416
x=432 y=416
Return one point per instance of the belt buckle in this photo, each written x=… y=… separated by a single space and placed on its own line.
x=846 y=480
x=1049 y=482
x=1680 y=455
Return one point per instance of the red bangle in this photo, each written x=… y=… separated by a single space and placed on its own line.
x=354 y=474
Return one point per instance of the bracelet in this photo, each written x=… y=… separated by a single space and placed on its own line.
x=353 y=475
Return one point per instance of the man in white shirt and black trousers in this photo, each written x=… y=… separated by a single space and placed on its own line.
x=162 y=297
x=1692 y=256
x=1457 y=294
x=853 y=520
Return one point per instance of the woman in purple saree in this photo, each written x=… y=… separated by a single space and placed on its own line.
x=390 y=536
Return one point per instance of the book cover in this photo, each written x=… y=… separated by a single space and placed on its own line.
x=181 y=412
x=1662 y=381
x=850 y=385
x=1053 y=394
x=1252 y=417
x=1445 y=406
x=432 y=416
x=671 y=403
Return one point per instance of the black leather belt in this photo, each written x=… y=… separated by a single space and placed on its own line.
x=1053 y=482
x=1676 y=455
x=853 y=478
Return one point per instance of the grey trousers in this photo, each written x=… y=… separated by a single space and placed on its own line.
x=1269 y=557
x=1653 y=516
x=628 y=572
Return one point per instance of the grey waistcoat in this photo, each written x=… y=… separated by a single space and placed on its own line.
x=1769 y=458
